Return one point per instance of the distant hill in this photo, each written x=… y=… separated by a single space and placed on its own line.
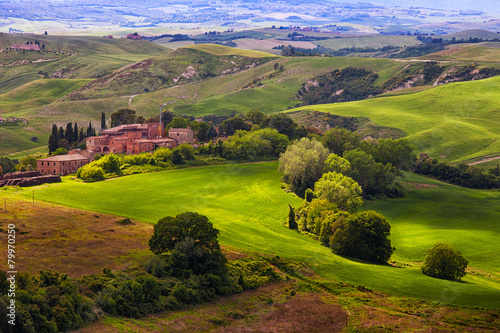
x=184 y=65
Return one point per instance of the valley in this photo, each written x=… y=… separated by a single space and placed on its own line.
x=444 y=103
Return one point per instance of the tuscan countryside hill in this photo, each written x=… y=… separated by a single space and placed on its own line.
x=84 y=257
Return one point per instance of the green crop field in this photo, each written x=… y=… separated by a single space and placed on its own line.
x=248 y=206
x=454 y=122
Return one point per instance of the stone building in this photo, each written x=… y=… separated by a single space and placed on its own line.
x=181 y=135
x=137 y=138
x=61 y=164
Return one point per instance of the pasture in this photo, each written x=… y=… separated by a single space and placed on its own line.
x=248 y=206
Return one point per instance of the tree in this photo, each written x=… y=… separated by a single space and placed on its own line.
x=335 y=163
x=6 y=164
x=53 y=145
x=340 y=190
x=275 y=66
x=364 y=236
x=55 y=132
x=444 y=262
x=339 y=140
x=60 y=134
x=397 y=152
x=177 y=157
x=292 y=224
x=255 y=116
x=68 y=134
x=75 y=133
x=103 y=121
x=285 y=125
x=123 y=116
x=302 y=164
x=27 y=160
x=374 y=178
x=169 y=231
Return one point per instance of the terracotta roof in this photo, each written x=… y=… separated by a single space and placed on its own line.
x=124 y=127
x=156 y=140
x=179 y=130
x=64 y=158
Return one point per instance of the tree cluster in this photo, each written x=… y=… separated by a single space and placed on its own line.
x=68 y=138
x=459 y=174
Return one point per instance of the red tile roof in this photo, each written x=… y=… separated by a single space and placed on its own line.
x=64 y=158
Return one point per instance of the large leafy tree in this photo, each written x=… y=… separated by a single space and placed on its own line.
x=192 y=242
x=444 y=262
x=302 y=164
x=364 y=236
x=340 y=190
x=338 y=140
x=374 y=178
x=171 y=230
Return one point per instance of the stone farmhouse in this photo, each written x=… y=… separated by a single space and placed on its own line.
x=62 y=164
x=25 y=47
x=124 y=139
x=137 y=138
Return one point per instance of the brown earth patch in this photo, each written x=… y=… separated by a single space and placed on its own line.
x=72 y=241
x=420 y=186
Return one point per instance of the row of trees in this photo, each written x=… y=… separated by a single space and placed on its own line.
x=68 y=138
x=374 y=164
x=459 y=174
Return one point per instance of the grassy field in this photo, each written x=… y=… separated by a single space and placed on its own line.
x=482 y=52
x=375 y=41
x=246 y=203
x=36 y=94
x=432 y=118
x=224 y=50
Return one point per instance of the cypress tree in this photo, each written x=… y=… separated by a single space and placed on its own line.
x=89 y=130
x=68 y=135
x=103 y=121
x=292 y=224
x=54 y=132
x=80 y=135
x=53 y=143
x=60 y=134
x=75 y=133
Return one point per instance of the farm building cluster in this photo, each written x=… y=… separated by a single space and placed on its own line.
x=123 y=139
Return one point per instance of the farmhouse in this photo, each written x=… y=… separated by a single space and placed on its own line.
x=25 y=47
x=137 y=138
x=61 y=164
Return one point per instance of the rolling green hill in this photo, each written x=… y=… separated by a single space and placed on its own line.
x=184 y=65
x=37 y=93
x=454 y=122
x=71 y=57
x=248 y=206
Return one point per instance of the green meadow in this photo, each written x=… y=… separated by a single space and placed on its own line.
x=246 y=203
x=453 y=122
x=36 y=93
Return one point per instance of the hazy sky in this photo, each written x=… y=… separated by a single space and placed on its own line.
x=488 y=6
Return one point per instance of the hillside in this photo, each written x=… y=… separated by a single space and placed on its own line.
x=68 y=57
x=432 y=118
x=248 y=206
x=185 y=65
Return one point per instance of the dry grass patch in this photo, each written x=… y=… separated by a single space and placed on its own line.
x=72 y=241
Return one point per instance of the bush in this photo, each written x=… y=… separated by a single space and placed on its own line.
x=90 y=173
x=444 y=262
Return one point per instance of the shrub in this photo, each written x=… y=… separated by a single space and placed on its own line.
x=444 y=262
x=90 y=173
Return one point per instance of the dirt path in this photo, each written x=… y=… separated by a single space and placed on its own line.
x=484 y=160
